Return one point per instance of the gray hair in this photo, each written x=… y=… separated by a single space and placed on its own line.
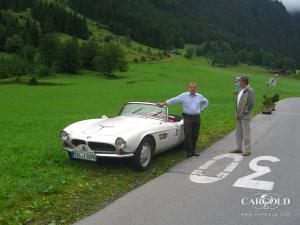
x=192 y=83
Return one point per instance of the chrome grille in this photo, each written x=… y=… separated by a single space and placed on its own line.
x=101 y=147
x=77 y=142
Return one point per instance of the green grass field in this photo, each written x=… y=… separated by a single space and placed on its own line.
x=40 y=185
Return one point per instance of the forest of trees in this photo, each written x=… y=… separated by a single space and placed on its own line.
x=29 y=34
x=246 y=26
x=221 y=54
x=68 y=57
x=52 y=16
x=259 y=32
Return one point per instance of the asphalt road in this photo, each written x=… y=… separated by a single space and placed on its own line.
x=219 y=193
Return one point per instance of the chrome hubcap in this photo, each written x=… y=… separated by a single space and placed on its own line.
x=145 y=154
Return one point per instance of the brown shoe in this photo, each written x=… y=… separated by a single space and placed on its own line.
x=247 y=153
x=236 y=151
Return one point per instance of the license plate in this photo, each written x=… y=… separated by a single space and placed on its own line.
x=84 y=152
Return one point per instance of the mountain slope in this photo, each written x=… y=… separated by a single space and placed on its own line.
x=253 y=31
x=296 y=16
x=32 y=19
x=247 y=24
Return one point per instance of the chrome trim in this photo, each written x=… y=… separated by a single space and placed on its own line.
x=126 y=155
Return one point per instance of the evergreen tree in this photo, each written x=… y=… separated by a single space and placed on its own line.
x=2 y=36
x=48 y=25
x=14 y=44
x=289 y=64
x=28 y=53
x=189 y=53
x=179 y=42
x=223 y=55
x=69 y=57
x=49 y=49
x=88 y=52
x=268 y=59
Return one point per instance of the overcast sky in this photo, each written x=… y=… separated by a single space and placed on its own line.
x=292 y=5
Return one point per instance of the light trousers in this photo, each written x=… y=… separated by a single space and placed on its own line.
x=243 y=134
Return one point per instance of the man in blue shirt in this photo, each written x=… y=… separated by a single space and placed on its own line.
x=193 y=104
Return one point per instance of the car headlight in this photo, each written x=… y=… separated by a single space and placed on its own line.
x=64 y=135
x=120 y=143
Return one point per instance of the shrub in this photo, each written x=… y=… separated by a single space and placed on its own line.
x=33 y=81
x=149 y=52
x=13 y=66
x=160 y=55
x=275 y=98
x=42 y=70
x=166 y=54
x=110 y=58
x=189 y=53
x=143 y=58
x=267 y=101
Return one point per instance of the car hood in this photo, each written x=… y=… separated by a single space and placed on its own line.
x=118 y=125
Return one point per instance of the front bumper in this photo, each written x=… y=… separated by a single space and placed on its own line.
x=103 y=155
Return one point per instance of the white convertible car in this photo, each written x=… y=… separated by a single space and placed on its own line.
x=140 y=130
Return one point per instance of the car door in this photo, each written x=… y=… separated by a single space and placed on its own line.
x=178 y=132
x=170 y=135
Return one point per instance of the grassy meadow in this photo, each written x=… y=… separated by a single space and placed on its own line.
x=38 y=182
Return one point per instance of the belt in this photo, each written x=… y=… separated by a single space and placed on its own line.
x=189 y=115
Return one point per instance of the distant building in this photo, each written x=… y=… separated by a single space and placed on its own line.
x=280 y=72
x=175 y=51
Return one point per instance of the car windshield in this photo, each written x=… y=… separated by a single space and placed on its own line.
x=131 y=109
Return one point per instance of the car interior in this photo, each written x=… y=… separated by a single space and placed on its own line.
x=174 y=118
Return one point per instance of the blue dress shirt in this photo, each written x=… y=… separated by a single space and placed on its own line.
x=192 y=103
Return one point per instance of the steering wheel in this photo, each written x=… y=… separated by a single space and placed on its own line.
x=156 y=115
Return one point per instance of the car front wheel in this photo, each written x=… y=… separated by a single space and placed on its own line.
x=143 y=154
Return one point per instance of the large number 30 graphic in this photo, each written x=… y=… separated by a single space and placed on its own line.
x=244 y=182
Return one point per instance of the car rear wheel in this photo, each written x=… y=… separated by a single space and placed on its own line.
x=143 y=155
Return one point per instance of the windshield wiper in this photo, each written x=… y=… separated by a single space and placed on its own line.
x=136 y=111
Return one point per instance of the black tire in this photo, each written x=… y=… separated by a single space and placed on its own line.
x=139 y=163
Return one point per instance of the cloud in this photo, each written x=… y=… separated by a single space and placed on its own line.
x=292 y=5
